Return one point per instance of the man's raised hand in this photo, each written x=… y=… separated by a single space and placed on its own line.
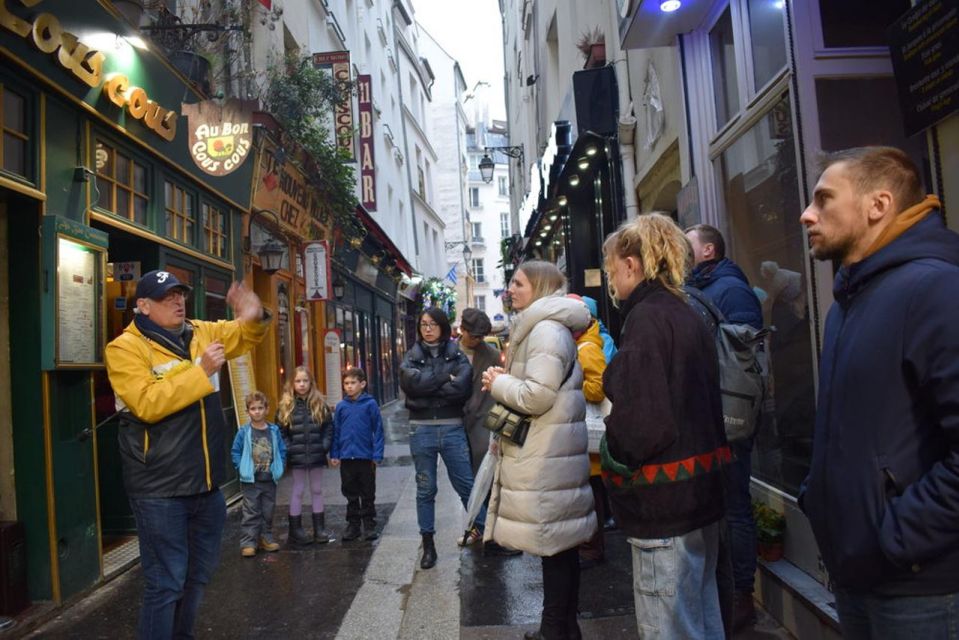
x=246 y=304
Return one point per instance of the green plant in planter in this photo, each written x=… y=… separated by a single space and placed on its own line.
x=770 y=524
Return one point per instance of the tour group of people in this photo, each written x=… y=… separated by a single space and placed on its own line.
x=881 y=494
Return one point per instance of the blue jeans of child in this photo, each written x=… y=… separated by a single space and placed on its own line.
x=179 y=549
x=739 y=515
x=674 y=586
x=864 y=616
x=427 y=442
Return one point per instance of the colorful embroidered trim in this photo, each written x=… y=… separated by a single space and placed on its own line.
x=622 y=476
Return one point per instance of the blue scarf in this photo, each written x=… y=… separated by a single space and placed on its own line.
x=178 y=344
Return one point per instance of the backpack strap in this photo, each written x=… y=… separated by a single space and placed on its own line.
x=704 y=300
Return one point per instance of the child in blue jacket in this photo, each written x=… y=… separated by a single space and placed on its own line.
x=357 y=448
x=258 y=453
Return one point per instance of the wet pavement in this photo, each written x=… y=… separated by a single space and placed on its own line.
x=372 y=590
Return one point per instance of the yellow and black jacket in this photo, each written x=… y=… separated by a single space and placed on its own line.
x=173 y=435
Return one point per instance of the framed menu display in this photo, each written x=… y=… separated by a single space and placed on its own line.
x=73 y=318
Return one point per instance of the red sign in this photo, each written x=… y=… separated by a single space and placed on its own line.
x=337 y=64
x=364 y=92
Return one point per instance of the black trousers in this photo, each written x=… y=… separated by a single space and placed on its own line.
x=358 y=483
x=561 y=596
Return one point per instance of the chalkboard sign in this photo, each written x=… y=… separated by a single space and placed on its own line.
x=925 y=59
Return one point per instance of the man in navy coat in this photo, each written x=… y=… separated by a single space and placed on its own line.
x=882 y=493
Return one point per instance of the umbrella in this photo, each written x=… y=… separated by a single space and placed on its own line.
x=481 y=486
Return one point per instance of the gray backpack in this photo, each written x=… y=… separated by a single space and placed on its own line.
x=742 y=367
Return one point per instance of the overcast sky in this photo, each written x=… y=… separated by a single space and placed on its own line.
x=472 y=32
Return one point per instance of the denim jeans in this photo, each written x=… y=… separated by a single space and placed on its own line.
x=739 y=515
x=863 y=616
x=448 y=441
x=674 y=586
x=179 y=549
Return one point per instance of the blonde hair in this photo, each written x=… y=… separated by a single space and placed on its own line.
x=545 y=278
x=314 y=399
x=658 y=244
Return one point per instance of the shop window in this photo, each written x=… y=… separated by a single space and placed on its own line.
x=768 y=40
x=764 y=238
x=213 y=221
x=121 y=183
x=178 y=206
x=15 y=142
x=859 y=23
x=725 y=79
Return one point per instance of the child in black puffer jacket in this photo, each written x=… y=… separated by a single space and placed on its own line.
x=307 y=426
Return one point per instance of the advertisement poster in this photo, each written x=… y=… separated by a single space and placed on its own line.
x=242 y=382
x=317 y=259
x=77 y=303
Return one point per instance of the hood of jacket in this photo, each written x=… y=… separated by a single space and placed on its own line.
x=925 y=239
x=570 y=313
x=706 y=273
x=362 y=400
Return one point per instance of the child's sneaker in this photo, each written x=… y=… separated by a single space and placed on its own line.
x=248 y=552
x=471 y=537
x=268 y=545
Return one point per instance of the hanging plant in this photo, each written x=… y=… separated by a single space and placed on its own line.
x=302 y=99
x=436 y=293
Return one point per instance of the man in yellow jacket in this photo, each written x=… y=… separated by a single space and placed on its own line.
x=164 y=370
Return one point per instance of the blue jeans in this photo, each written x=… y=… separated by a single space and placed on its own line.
x=739 y=515
x=179 y=549
x=674 y=586
x=448 y=441
x=863 y=616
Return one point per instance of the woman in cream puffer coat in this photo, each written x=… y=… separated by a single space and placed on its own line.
x=541 y=501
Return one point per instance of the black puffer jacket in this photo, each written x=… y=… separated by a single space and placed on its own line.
x=436 y=387
x=307 y=442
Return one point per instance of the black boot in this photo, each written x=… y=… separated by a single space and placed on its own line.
x=369 y=529
x=320 y=533
x=428 y=561
x=297 y=534
x=352 y=531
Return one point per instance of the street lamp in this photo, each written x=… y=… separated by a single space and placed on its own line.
x=487 y=165
x=270 y=252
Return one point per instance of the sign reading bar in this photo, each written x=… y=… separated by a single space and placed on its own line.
x=925 y=59
x=364 y=89
x=337 y=64
x=317 y=258
x=220 y=136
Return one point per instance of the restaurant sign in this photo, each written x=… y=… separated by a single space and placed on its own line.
x=367 y=166
x=337 y=64
x=282 y=187
x=220 y=135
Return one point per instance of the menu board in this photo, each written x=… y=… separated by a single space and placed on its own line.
x=242 y=383
x=333 y=360
x=925 y=59
x=77 y=302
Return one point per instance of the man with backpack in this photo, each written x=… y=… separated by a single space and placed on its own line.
x=720 y=291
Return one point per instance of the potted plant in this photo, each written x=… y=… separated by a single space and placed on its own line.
x=770 y=530
x=592 y=44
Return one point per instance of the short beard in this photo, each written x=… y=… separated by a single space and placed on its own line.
x=836 y=251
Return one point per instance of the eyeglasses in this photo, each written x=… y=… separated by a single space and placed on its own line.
x=175 y=294
x=428 y=325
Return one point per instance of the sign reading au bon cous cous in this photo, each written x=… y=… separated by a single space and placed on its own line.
x=220 y=135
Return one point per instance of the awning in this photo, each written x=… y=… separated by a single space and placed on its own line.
x=380 y=236
x=649 y=26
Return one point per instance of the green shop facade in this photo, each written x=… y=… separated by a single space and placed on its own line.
x=97 y=186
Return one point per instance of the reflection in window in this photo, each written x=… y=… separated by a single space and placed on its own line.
x=766 y=240
x=768 y=40
x=13 y=123
x=121 y=183
x=725 y=80
x=179 y=213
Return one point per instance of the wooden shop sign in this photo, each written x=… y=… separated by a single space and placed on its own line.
x=220 y=136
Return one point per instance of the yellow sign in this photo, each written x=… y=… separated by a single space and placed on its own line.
x=138 y=105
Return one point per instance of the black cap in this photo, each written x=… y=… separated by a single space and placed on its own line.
x=156 y=284
x=476 y=322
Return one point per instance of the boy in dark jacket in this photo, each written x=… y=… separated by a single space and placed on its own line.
x=357 y=448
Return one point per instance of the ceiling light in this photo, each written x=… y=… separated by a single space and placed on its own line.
x=583 y=164
x=553 y=217
x=574 y=180
x=591 y=151
x=668 y=6
x=539 y=243
x=547 y=227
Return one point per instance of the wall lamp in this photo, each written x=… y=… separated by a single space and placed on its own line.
x=467 y=252
x=487 y=165
x=270 y=252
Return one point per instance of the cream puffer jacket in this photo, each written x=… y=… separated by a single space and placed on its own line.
x=541 y=502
